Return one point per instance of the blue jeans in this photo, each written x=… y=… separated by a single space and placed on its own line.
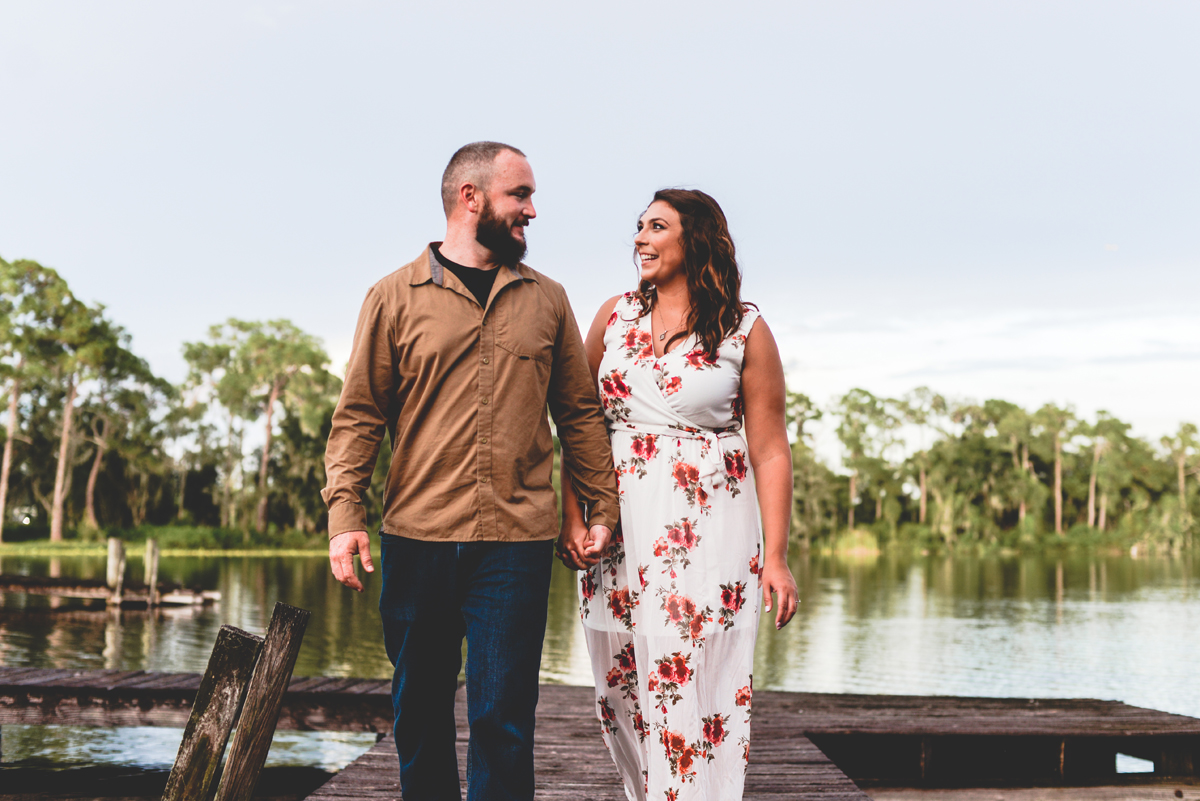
x=495 y=594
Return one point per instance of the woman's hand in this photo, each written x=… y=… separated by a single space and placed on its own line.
x=778 y=579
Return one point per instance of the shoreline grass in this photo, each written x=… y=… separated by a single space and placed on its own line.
x=40 y=548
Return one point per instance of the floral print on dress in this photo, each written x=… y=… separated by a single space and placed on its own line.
x=699 y=359
x=613 y=394
x=732 y=598
x=714 y=729
x=589 y=592
x=668 y=384
x=680 y=539
x=745 y=697
x=638 y=344
x=685 y=615
x=639 y=724
x=676 y=673
x=608 y=716
x=643 y=448
x=624 y=672
x=613 y=555
x=682 y=755
x=687 y=478
x=670 y=674
x=621 y=603
x=735 y=470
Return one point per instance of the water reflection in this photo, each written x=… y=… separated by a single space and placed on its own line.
x=1078 y=625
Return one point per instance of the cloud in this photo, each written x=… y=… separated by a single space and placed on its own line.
x=1137 y=363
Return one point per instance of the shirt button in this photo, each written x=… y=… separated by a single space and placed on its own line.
x=484 y=401
x=483 y=480
x=484 y=441
x=486 y=360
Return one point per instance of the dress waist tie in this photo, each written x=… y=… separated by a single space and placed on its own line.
x=711 y=451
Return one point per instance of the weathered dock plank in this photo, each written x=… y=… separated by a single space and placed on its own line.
x=912 y=714
x=957 y=741
x=880 y=740
x=116 y=699
x=573 y=765
x=130 y=783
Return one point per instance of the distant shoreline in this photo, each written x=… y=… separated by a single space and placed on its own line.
x=43 y=548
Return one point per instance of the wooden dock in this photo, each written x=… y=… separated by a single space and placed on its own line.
x=805 y=745
x=132 y=595
x=572 y=764
x=119 y=698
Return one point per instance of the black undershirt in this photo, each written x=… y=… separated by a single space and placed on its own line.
x=478 y=282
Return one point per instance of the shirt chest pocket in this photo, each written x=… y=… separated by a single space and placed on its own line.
x=526 y=328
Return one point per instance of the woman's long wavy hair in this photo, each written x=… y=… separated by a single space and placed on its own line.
x=710 y=264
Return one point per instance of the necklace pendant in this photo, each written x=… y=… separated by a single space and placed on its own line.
x=662 y=336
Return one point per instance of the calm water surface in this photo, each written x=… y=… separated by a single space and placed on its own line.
x=1103 y=627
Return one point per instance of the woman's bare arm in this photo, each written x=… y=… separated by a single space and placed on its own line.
x=763 y=391
x=573 y=536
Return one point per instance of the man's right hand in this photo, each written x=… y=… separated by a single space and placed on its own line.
x=342 y=549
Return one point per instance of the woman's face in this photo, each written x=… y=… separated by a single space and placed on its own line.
x=659 y=244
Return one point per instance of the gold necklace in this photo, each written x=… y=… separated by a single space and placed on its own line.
x=663 y=322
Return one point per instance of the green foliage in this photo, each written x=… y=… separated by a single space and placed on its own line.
x=94 y=441
x=925 y=473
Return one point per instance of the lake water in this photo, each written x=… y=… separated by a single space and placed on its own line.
x=1110 y=627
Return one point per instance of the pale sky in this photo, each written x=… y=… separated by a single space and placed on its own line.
x=995 y=200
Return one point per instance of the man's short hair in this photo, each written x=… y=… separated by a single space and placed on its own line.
x=471 y=164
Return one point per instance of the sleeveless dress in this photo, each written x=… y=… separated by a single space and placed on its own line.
x=670 y=613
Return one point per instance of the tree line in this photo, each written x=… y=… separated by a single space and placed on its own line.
x=94 y=441
x=948 y=473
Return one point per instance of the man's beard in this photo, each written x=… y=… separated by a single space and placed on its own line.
x=496 y=235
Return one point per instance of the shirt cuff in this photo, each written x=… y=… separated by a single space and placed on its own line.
x=347 y=517
x=604 y=514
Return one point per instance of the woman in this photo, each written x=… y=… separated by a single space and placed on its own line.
x=670 y=609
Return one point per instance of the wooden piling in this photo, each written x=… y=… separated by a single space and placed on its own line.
x=214 y=713
x=116 y=570
x=116 y=556
x=264 y=699
x=151 y=573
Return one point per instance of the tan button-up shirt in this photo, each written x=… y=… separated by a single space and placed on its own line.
x=463 y=391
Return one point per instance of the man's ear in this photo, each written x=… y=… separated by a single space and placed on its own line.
x=471 y=197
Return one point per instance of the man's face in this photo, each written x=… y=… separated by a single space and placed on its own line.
x=507 y=209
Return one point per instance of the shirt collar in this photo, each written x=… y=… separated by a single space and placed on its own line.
x=427 y=269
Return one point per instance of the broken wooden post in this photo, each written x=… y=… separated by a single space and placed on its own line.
x=264 y=698
x=214 y=713
x=151 y=573
x=116 y=570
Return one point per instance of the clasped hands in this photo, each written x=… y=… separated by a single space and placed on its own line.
x=580 y=547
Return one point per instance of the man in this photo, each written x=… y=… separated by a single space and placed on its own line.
x=457 y=355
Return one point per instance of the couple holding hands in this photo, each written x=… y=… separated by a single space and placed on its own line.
x=670 y=417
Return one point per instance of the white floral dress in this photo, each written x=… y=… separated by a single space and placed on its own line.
x=671 y=612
